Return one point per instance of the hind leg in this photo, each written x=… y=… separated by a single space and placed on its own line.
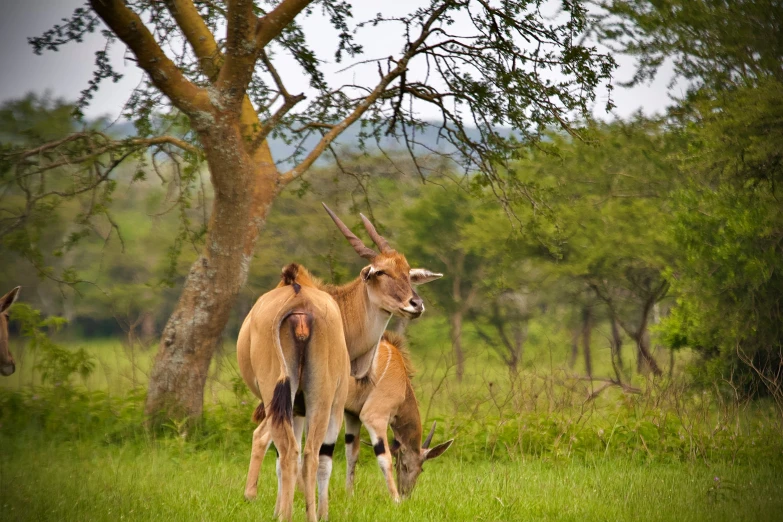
x=299 y=425
x=317 y=426
x=325 y=460
x=353 y=427
x=288 y=455
x=377 y=427
x=261 y=441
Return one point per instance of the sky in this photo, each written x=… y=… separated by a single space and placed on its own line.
x=66 y=73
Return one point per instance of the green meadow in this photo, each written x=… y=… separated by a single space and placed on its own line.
x=163 y=481
x=539 y=444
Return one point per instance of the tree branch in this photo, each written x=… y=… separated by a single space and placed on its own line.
x=401 y=66
x=106 y=146
x=211 y=60
x=201 y=39
x=275 y=76
x=246 y=36
x=165 y=75
x=271 y=123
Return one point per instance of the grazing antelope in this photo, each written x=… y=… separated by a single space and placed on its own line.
x=292 y=341
x=387 y=399
x=383 y=288
x=7 y=364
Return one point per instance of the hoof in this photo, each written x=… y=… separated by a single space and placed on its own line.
x=250 y=497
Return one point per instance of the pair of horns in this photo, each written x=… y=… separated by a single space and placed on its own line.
x=356 y=243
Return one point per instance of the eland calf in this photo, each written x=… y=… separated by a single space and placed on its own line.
x=387 y=399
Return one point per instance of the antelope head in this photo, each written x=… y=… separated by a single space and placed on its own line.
x=389 y=279
x=410 y=461
x=7 y=365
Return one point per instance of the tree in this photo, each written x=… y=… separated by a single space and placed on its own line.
x=438 y=235
x=729 y=228
x=508 y=314
x=227 y=96
x=727 y=224
x=605 y=197
x=715 y=45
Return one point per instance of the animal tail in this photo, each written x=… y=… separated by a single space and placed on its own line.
x=288 y=277
x=281 y=406
x=259 y=414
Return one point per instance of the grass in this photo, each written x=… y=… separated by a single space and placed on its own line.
x=167 y=481
x=532 y=445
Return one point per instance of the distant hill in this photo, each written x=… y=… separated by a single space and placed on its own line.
x=349 y=138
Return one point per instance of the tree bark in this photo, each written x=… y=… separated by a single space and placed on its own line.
x=574 y=348
x=645 y=362
x=456 y=343
x=587 y=331
x=617 y=344
x=189 y=339
x=519 y=329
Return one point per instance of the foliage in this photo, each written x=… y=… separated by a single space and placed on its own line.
x=729 y=229
x=213 y=91
x=57 y=365
x=715 y=45
x=472 y=52
x=726 y=225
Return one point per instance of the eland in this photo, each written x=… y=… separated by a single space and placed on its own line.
x=387 y=399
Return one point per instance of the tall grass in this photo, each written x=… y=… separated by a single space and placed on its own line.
x=540 y=442
x=543 y=409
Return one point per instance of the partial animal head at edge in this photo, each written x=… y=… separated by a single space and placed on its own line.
x=7 y=363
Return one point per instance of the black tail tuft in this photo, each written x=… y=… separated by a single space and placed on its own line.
x=259 y=414
x=281 y=408
x=289 y=274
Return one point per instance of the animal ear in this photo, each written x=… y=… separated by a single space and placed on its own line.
x=367 y=272
x=8 y=299
x=395 y=447
x=419 y=276
x=438 y=450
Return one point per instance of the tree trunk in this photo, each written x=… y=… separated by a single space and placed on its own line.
x=519 y=329
x=189 y=339
x=574 y=348
x=587 y=331
x=456 y=343
x=617 y=344
x=148 y=327
x=645 y=362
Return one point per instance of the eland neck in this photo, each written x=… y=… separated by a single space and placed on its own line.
x=406 y=425
x=363 y=322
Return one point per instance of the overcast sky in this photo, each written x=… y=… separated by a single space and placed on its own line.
x=66 y=73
